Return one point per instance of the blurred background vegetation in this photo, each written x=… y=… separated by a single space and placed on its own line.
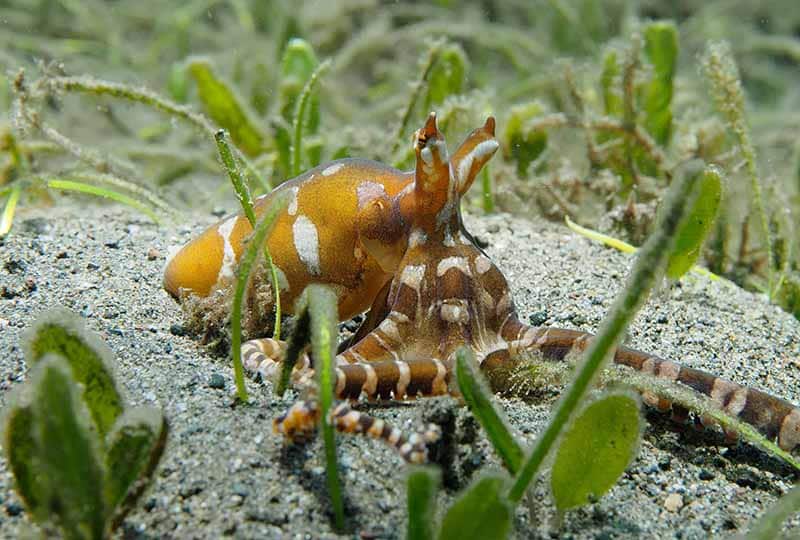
x=597 y=105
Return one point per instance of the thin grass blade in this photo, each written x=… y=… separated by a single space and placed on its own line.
x=246 y=202
x=477 y=397
x=300 y=121
x=235 y=175
x=625 y=247
x=97 y=191
x=258 y=238
x=10 y=208
x=487 y=191
x=298 y=340
x=322 y=305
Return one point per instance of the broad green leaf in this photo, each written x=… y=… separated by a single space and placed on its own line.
x=177 y=84
x=283 y=143
x=447 y=76
x=5 y=92
x=289 y=27
x=21 y=453
x=698 y=221
x=522 y=143
x=289 y=91
x=225 y=108
x=90 y=360
x=261 y=88
x=595 y=450
x=481 y=511
x=612 y=100
x=71 y=471
x=788 y=295
x=134 y=448
x=422 y=485
x=298 y=63
x=479 y=401
x=313 y=147
x=299 y=60
x=341 y=153
x=661 y=48
x=769 y=525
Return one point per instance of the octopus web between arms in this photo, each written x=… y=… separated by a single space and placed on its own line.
x=445 y=294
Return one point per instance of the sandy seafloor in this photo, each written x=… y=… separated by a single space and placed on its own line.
x=224 y=472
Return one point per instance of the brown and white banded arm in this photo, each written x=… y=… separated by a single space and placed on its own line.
x=299 y=424
x=775 y=418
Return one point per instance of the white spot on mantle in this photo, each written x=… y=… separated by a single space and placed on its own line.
x=306 y=242
x=367 y=191
x=283 y=283
x=332 y=169
x=228 y=256
x=292 y=208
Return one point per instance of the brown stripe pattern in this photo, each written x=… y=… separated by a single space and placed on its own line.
x=775 y=418
x=391 y=379
x=299 y=424
x=263 y=357
x=413 y=449
x=356 y=379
